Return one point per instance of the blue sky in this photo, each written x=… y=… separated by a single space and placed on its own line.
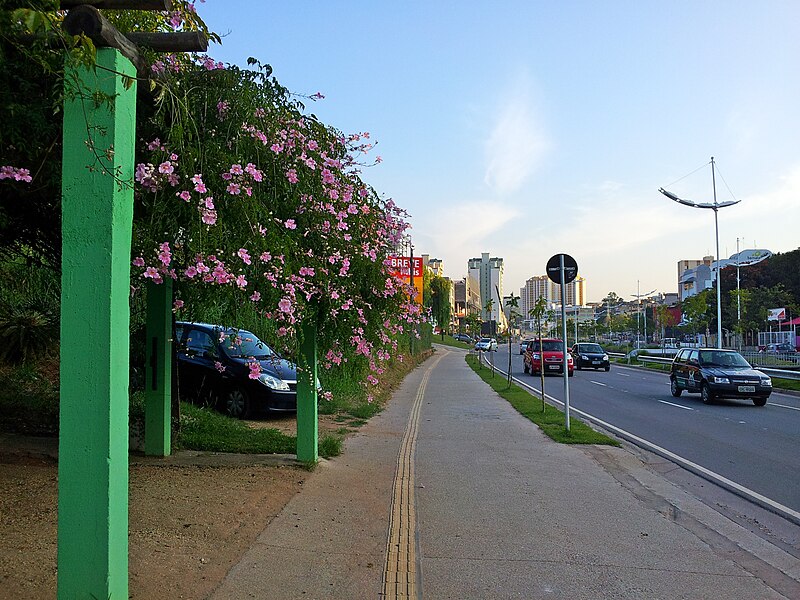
x=525 y=129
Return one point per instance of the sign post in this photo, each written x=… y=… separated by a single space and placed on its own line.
x=562 y=269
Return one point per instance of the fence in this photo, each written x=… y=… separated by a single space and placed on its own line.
x=780 y=373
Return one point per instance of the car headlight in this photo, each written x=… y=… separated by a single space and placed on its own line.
x=715 y=379
x=605 y=356
x=584 y=357
x=535 y=356
x=273 y=382
x=767 y=382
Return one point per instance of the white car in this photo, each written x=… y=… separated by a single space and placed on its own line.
x=486 y=344
x=523 y=344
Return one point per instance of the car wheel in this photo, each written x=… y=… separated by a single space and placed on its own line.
x=706 y=394
x=673 y=387
x=571 y=373
x=578 y=366
x=237 y=404
x=608 y=368
x=759 y=401
x=525 y=368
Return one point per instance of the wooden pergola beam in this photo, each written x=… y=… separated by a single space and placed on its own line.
x=89 y=21
x=120 y=4
x=180 y=41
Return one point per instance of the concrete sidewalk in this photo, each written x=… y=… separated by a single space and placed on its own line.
x=450 y=493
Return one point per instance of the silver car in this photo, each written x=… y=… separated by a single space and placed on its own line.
x=486 y=344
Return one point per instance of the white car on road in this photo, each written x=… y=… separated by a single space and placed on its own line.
x=486 y=344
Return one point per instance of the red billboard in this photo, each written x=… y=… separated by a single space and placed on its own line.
x=400 y=266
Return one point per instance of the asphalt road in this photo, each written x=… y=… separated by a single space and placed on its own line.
x=756 y=447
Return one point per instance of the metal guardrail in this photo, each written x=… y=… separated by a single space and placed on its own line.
x=779 y=373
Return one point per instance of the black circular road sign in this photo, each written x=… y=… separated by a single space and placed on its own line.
x=554 y=268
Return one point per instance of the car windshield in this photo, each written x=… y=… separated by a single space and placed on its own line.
x=590 y=348
x=243 y=344
x=548 y=346
x=485 y=340
x=717 y=358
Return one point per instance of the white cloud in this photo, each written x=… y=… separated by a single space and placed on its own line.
x=458 y=232
x=517 y=142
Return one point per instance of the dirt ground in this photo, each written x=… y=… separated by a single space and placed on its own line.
x=188 y=524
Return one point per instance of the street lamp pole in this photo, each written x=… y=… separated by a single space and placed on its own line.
x=715 y=206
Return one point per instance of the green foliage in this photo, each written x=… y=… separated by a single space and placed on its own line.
x=29 y=398
x=29 y=311
x=550 y=421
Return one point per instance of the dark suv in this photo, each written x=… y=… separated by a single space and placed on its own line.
x=590 y=356
x=717 y=373
x=214 y=368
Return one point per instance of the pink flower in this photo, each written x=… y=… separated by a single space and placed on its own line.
x=255 y=369
x=241 y=281
x=233 y=189
x=177 y=305
x=291 y=175
x=290 y=224
x=190 y=272
x=185 y=195
x=285 y=305
x=236 y=170
x=138 y=261
x=256 y=296
x=166 y=168
x=243 y=254
x=219 y=366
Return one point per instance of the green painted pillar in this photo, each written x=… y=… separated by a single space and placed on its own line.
x=158 y=371
x=97 y=213
x=307 y=422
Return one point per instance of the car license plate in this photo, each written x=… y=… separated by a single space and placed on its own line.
x=747 y=389
x=595 y=362
x=554 y=367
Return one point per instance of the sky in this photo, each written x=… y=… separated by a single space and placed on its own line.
x=530 y=128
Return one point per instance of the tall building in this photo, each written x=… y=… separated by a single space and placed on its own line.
x=542 y=286
x=694 y=276
x=488 y=272
x=435 y=265
x=535 y=288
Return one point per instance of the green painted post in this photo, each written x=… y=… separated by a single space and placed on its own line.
x=97 y=214
x=158 y=384
x=307 y=422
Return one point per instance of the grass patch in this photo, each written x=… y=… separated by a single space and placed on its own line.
x=550 y=421
x=330 y=445
x=207 y=430
x=449 y=340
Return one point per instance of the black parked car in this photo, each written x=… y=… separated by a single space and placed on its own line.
x=589 y=356
x=463 y=337
x=213 y=370
x=717 y=373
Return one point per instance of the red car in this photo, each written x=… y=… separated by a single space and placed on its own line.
x=551 y=354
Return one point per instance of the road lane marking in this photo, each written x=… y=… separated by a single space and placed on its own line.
x=598 y=383
x=784 y=406
x=623 y=374
x=400 y=574
x=677 y=405
x=730 y=485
